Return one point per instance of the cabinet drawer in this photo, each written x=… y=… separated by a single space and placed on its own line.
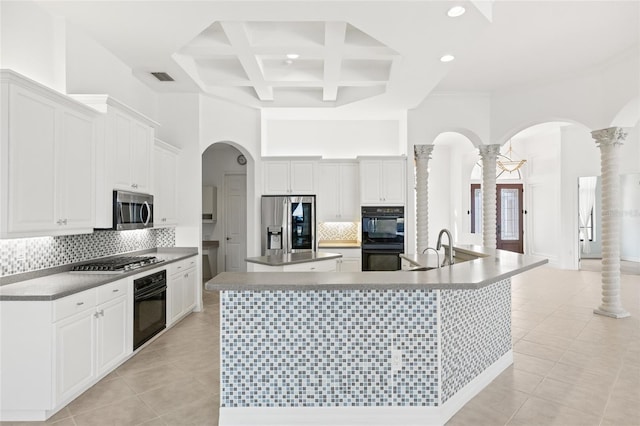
x=322 y=266
x=112 y=290
x=181 y=266
x=79 y=302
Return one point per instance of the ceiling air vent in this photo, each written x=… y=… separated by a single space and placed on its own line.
x=162 y=76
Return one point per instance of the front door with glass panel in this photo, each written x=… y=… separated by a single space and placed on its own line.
x=509 y=226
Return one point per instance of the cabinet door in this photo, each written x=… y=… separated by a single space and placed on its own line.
x=350 y=264
x=175 y=296
x=31 y=176
x=349 y=190
x=141 y=144
x=121 y=144
x=189 y=290
x=75 y=353
x=302 y=177
x=75 y=172
x=276 y=177
x=328 y=203
x=370 y=182
x=393 y=182
x=164 y=202
x=112 y=329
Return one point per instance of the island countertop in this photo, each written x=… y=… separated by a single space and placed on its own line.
x=293 y=258
x=490 y=266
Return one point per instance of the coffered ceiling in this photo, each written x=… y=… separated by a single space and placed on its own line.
x=356 y=54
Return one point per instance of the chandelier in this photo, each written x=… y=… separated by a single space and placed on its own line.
x=509 y=165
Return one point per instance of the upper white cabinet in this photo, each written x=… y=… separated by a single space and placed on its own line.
x=290 y=176
x=124 y=152
x=338 y=192
x=383 y=181
x=47 y=158
x=165 y=167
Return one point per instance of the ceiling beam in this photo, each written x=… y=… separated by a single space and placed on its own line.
x=334 y=36
x=239 y=38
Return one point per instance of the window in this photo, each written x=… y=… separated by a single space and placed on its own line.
x=476 y=209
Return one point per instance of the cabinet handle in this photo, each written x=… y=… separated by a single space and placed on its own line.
x=64 y=221
x=59 y=222
x=186 y=275
x=79 y=303
x=102 y=313
x=96 y=315
x=116 y=290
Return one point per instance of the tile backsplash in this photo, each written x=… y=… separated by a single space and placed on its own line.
x=338 y=231
x=30 y=254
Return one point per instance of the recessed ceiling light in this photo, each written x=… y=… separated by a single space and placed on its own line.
x=447 y=58
x=292 y=56
x=456 y=11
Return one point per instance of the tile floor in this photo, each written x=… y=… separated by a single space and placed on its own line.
x=571 y=367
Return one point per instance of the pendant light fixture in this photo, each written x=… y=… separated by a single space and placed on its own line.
x=509 y=164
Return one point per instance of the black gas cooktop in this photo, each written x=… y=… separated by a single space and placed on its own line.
x=116 y=264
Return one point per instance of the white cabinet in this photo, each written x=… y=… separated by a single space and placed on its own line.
x=52 y=351
x=181 y=289
x=165 y=167
x=290 y=176
x=351 y=260
x=47 y=155
x=338 y=192
x=383 y=181
x=209 y=204
x=124 y=152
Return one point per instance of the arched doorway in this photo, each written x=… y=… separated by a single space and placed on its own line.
x=224 y=208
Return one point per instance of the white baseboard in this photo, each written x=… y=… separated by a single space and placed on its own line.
x=369 y=416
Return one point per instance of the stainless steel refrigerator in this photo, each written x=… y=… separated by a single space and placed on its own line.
x=288 y=224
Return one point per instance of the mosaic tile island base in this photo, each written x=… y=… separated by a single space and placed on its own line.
x=374 y=356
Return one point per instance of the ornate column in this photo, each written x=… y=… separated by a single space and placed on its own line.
x=609 y=141
x=489 y=155
x=422 y=154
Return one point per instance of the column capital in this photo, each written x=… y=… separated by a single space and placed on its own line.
x=609 y=136
x=489 y=150
x=422 y=152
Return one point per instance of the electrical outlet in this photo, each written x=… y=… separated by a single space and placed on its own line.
x=21 y=250
x=396 y=360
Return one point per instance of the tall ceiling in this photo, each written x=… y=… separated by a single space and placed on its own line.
x=356 y=54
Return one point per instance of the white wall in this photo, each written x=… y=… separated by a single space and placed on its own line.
x=32 y=43
x=592 y=98
x=240 y=127
x=90 y=68
x=333 y=138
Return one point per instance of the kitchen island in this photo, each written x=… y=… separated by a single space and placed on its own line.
x=309 y=261
x=375 y=348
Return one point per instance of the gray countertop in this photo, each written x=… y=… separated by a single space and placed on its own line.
x=495 y=265
x=60 y=282
x=293 y=258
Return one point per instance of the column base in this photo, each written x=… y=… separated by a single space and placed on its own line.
x=618 y=314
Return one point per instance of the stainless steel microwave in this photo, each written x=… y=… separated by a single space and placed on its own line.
x=132 y=210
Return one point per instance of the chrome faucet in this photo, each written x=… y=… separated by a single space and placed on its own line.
x=448 y=251
x=436 y=252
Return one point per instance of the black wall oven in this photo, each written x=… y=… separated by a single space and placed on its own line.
x=149 y=307
x=382 y=238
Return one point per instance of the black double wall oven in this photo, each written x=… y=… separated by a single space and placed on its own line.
x=382 y=238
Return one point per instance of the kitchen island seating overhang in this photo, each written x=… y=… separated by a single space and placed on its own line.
x=386 y=348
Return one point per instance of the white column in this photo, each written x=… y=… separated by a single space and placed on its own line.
x=609 y=141
x=489 y=155
x=422 y=154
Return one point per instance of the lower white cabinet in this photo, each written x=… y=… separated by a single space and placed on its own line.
x=54 y=350
x=351 y=260
x=315 y=266
x=181 y=289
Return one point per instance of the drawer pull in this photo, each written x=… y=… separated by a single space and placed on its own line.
x=80 y=303
x=116 y=290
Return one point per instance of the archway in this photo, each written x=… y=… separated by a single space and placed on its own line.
x=226 y=167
